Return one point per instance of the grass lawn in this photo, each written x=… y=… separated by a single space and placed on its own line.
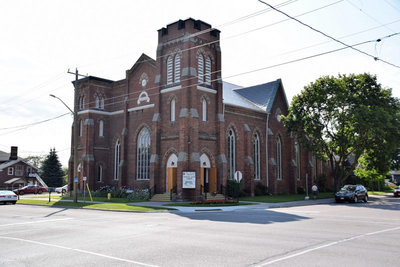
x=284 y=198
x=189 y=204
x=107 y=206
x=104 y=199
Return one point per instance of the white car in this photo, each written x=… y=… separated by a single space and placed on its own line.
x=8 y=196
x=62 y=189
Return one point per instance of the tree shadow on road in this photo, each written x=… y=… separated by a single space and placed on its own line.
x=244 y=216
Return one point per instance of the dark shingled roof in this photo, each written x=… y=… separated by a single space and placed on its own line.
x=262 y=95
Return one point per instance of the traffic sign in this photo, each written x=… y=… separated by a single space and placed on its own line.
x=238 y=176
x=76 y=179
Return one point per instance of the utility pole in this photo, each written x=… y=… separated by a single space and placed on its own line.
x=75 y=133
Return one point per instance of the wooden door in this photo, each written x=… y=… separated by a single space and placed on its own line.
x=213 y=180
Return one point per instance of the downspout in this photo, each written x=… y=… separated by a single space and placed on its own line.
x=266 y=149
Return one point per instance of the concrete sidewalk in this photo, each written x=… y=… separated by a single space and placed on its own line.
x=255 y=206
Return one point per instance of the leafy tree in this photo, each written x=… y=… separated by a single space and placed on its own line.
x=346 y=117
x=51 y=171
x=371 y=176
x=35 y=161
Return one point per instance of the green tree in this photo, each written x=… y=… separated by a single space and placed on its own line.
x=343 y=117
x=35 y=161
x=51 y=171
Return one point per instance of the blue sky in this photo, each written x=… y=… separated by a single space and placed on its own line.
x=41 y=40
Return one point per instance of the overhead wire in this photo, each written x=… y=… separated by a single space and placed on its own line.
x=328 y=36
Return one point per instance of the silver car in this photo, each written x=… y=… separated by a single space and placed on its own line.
x=7 y=196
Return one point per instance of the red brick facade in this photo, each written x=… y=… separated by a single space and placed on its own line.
x=142 y=103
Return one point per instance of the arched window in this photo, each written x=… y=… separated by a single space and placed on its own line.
x=204 y=104
x=82 y=102
x=169 y=70
x=101 y=128
x=257 y=161
x=297 y=155
x=80 y=127
x=97 y=101
x=177 y=71
x=173 y=110
x=200 y=69
x=231 y=154
x=117 y=159
x=278 y=159
x=143 y=155
x=208 y=71
x=99 y=173
x=102 y=102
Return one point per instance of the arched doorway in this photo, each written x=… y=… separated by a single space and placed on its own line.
x=208 y=175
x=171 y=168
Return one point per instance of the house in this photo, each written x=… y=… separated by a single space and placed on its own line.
x=173 y=126
x=16 y=172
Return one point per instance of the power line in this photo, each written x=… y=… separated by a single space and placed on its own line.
x=328 y=36
x=20 y=127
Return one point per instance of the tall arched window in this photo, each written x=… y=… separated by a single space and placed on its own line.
x=169 y=70
x=173 y=110
x=143 y=155
x=101 y=128
x=97 y=101
x=208 y=71
x=257 y=161
x=117 y=159
x=99 y=173
x=200 y=69
x=204 y=105
x=80 y=127
x=82 y=102
x=297 y=155
x=102 y=102
x=231 y=154
x=278 y=159
x=177 y=70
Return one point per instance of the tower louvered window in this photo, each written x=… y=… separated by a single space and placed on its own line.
x=208 y=71
x=200 y=69
x=169 y=70
x=177 y=72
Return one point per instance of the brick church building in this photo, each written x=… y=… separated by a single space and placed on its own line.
x=173 y=125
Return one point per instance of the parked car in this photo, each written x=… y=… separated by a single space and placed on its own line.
x=29 y=189
x=352 y=193
x=62 y=189
x=396 y=192
x=8 y=196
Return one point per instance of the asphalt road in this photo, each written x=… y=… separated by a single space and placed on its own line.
x=362 y=234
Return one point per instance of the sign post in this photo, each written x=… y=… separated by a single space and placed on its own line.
x=84 y=189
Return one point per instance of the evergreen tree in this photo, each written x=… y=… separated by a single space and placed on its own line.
x=51 y=171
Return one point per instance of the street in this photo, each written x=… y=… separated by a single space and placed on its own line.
x=361 y=234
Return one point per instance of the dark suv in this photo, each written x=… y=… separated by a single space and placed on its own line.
x=352 y=193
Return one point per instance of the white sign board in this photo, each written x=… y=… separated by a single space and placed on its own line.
x=84 y=178
x=189 y=180
x=238 y=176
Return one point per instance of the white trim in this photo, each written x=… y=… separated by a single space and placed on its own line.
x=170 y=89
x=141 y=107
x=205 y=89
x=87 y=111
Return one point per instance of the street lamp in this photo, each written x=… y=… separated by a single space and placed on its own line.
x=74 y=112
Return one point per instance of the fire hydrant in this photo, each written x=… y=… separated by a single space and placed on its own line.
x=109 y=196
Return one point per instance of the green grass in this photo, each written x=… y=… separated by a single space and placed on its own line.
x=104 y=199
x=284 y=198
x=88 y=205
x=379 y=192
x=188 y=204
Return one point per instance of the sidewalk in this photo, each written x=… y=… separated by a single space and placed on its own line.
x=256 y=206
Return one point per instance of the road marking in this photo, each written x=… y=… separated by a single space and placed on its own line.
x=41 y=221
x=77 y=250
x=327 y=245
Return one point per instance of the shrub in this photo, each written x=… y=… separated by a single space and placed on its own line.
x=260 y=190
x=301 y=190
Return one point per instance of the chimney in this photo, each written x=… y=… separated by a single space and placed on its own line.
x=14 y=153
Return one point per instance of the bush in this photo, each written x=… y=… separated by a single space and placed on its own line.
x=301 y=190
x=260 y=190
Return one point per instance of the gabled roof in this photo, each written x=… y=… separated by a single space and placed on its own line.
x=143 y=59
x=258 y=97
x=4 y=156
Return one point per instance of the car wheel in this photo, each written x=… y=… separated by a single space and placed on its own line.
x=21 y=192
x=355 y=200
x=13 y=202
x=39 y=192
x=366 y=198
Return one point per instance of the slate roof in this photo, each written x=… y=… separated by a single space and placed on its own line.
x=258 y=97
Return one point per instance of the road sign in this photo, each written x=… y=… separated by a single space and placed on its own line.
x=76 y=179
x=238 y=176
x=84 y=178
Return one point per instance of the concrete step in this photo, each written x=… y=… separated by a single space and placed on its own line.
x=216 y=197
x=162 y=197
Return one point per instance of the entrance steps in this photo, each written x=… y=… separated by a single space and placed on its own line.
x=166 y=197
x=216 y=197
